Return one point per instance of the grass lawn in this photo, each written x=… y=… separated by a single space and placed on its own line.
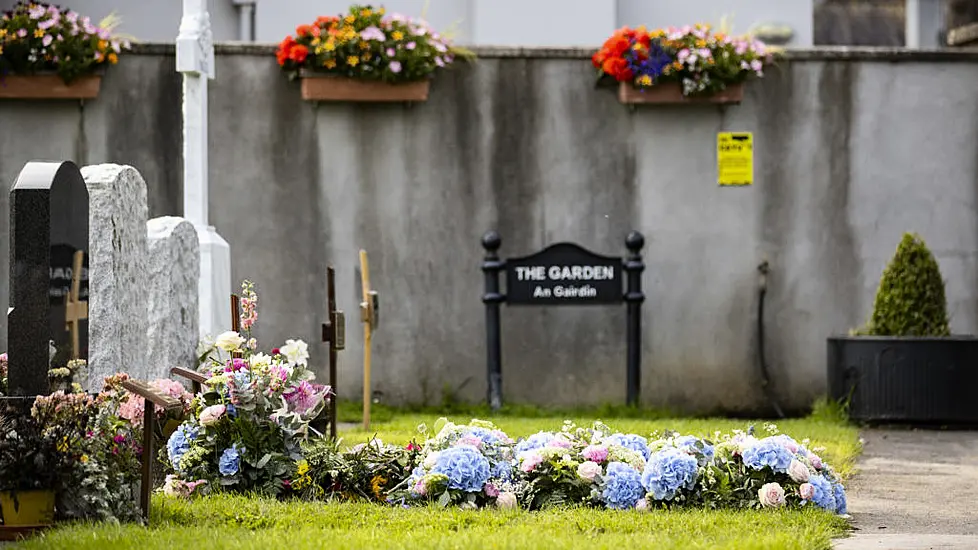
x=241 y=522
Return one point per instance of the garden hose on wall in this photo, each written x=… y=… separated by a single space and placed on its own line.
x=764 y=268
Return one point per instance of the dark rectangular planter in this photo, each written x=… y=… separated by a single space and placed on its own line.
x=922 y=381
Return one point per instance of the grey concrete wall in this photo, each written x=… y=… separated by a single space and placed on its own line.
x=852 y=149
x=478 y=22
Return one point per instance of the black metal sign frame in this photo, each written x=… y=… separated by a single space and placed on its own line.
x=563 y=274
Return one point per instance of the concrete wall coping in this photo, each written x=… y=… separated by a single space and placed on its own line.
x=495 y=52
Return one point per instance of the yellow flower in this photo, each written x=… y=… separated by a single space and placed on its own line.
x=366 y=56
x=701 y=43
x=38 y=33
x=645 y=80
x=349 y=19
x=396 y=35
x=84 y=458
x=3 y=32
x=377 y=485
x=330 y=63
x=302 y=469
x=366 y=13
x=103 y=45
x=63 y=446
x=364 y=46
x=1 y=50
x=330 y=45
x=352 y=61
x=113 y=58
x=381 y=11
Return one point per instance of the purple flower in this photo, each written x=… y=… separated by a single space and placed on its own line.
x=439 y=47
x=47 y=24
x=391 y=52
x=439 y=62
x=395 y=67
x=372 y=33
x=410 y=45
x=47 y=40
x=37 y=12
x=22 y=33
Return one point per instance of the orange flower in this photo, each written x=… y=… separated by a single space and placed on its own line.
x=284 y=50
x=299 y=53
x=303 y=30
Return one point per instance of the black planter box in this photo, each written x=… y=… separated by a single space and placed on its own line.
x=922 y=381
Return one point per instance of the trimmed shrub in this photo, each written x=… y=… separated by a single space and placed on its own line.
x=910 y=299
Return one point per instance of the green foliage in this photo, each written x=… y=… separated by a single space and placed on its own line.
x=910 y=300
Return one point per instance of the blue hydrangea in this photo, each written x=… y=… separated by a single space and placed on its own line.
x=538 y=440
x=840 y=499
x=486 y=436
x=630 y=441
x=503 y=470
x=668 y=471
x=768 y=453
x=231 y=410
x=824 y=494
x=622 y=486
x=230 y=461
x=688 y=443
x=464 y=466
x=179 y=443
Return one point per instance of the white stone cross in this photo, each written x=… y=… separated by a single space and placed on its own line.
x=195 y=59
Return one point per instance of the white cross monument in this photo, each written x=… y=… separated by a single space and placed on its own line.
x=195 y=59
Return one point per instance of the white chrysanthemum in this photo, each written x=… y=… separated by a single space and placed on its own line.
x=296 y=351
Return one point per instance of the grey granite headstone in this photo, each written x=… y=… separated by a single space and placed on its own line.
x=171 y=283
x=117 y=325
x=48 y=225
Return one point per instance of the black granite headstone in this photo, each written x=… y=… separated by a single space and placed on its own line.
x=48 y=224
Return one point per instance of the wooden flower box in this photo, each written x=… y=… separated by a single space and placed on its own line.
x=49 y=86
x=322 y=87
x=669 y=93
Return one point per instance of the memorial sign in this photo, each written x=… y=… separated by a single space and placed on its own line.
x=563 y=274
x=48 y=278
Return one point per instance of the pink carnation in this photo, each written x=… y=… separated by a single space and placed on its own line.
x=596 y=453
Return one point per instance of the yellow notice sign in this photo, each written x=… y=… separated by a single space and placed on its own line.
x=735 y=158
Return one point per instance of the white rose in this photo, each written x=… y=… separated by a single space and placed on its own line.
x=229 y=341
x=587 y=470
x=771 y=495
x=506 y=501
x=296 y=351
x=798 y=471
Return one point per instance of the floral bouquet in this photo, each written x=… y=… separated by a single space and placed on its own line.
x=368 y=44
x=582 y=465
x=469 y=464
x=369 y=471
x=246 y=427
x=39 y=37
x=702 y=63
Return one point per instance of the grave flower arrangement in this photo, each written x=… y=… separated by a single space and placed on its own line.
x=469 y=464
x=368 y=471
x=246 y=427
x=700 y=62
x=3 y=374
x=366 y=43
x=37 y=37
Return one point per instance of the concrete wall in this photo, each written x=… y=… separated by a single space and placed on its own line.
x=479 y=22
x=852 y=149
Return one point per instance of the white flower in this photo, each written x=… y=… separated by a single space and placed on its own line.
x=260 y=361
x=229 y=341
x=296 y=351
x=771 y=495
x=642 y=505
x=798 y=471
x=430 y=461
x=506 y=500
x=587 y=470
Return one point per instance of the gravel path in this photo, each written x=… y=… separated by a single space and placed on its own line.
x=915 y=489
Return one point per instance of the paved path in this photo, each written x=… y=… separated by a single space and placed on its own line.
x=915 y=489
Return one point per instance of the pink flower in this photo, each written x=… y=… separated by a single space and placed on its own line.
x=409 y=45
x=806 y=491
x=530 y=462
x=798 y=471
x=642 y=504
x=419 y=488
x=470 y=440
x=395 y=67
x=491 y=490
x=559 y=443
x=771 y=495
x=816 y=462
x=391 y=52
x=596 y=453
x=212 y=414
x=439 y=62
x=22 y=33
x=506 y=501
x=588 y=470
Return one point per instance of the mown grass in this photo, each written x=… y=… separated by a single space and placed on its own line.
x=239 y=522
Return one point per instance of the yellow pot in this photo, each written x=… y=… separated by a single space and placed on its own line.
x=27 y=508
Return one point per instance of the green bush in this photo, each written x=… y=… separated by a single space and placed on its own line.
x=910 y=300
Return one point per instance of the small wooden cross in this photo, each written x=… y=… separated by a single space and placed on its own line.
x=75 y=309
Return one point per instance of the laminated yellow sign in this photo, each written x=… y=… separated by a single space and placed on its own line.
x=735 y=158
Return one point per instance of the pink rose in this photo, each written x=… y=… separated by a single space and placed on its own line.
x=530 y=462
x=798 y=471
x=491 y=490
x=806 y=491
x=597 y=453
x=212 y=414
x=587 y=470
x=771 y=495
x=816 y=462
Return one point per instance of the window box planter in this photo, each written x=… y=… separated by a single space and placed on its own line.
x=324 y=87
x=49 y=86
x=671 y=93
x=904 y=380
